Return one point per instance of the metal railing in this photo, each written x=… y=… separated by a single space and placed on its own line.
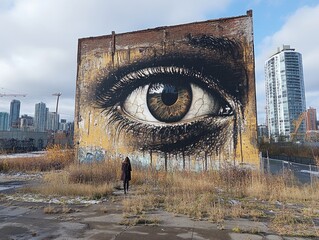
x=303 y=172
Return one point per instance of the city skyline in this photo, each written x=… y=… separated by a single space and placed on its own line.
x=40 y=59
x=21 y=114
x=41 y=121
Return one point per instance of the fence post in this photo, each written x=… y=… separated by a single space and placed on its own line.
x=310 y=174
x=165 y=163
x=268 y=165
x=261 y=159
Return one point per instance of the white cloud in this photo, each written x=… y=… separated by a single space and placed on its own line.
x=301 y=32
x=39 y=40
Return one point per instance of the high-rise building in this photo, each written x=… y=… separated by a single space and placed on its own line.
x=40 y=117
x=262 y=133
x=14 y=113
x=285 y=92
x=63 y=125
x=311 y=119
x=4 y=121
x=53 y=121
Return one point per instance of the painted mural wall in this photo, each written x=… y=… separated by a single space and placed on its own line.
x=178 y=96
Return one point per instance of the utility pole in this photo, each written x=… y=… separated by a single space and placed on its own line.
x=56 y=115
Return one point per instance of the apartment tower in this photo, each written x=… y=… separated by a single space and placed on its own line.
x=311 y=119
x=4 y=121
x=40 y=117
x=14 y=114
x=285 y=93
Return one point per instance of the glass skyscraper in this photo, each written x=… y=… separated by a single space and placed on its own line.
x=53 y=121
x=14 y=113
x=4 y=121
x=40 y=117
x=285 y=92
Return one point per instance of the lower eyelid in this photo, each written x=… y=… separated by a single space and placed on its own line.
x=152 y=137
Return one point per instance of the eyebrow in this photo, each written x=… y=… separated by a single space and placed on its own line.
x=220 y=44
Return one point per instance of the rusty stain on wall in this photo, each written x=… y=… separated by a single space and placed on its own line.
x=178 y=96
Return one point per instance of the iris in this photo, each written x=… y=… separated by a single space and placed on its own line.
x=169 y=102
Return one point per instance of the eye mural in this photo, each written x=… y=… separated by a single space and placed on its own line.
x=165 y=98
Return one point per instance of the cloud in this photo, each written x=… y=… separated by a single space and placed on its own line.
x=39 y=40
x=301 y=32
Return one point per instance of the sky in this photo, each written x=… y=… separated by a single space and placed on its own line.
x=38 y=40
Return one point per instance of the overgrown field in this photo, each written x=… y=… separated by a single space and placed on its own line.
x=289 y=207
x=55 y=158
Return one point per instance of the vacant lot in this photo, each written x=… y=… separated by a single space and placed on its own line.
x=60 y=200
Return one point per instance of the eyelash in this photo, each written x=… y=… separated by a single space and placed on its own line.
x=133 y=80
x=110 y=99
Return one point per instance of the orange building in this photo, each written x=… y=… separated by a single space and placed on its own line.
x=311 y=119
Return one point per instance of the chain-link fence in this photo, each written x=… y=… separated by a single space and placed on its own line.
x=304 y=173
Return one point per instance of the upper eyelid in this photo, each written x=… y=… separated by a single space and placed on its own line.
x=214 y=71
x=178 y=59
x=148 y=72
x=153 y=71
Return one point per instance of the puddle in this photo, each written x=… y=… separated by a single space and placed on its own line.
x=7 y=188
x=23 y=155
x=10 y=185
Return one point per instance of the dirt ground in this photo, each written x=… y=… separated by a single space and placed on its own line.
x=25 y=216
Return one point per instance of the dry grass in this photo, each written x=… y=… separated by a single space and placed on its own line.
x=95 y=173
x=57 y=210
x=55 y=158
x=281 y=188
x=59 y=184
x=287 y=222
x=141 y=219
x=229 y=193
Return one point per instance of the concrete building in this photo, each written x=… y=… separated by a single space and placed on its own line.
x=4 y=121
x=63 y=125
x=53 y=121
x=285 y=92
x=262 y=133
x=14 y=114
x=40 y=117
x=22 y=141
x=26 y=122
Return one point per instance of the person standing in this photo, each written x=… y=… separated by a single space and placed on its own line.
x=126 y=173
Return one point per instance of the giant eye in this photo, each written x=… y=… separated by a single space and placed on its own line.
x=173 y=102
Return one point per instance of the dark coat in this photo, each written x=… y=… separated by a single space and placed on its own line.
x=126 y=171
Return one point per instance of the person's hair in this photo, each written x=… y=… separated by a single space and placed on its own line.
x=127 y=160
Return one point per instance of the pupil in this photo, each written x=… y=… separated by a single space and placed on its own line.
x=169 y=95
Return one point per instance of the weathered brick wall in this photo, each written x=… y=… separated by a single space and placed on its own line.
x=105 y=129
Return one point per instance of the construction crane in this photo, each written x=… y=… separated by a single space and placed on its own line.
x=12 y=95
x=57 y=101
x=297 y=124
